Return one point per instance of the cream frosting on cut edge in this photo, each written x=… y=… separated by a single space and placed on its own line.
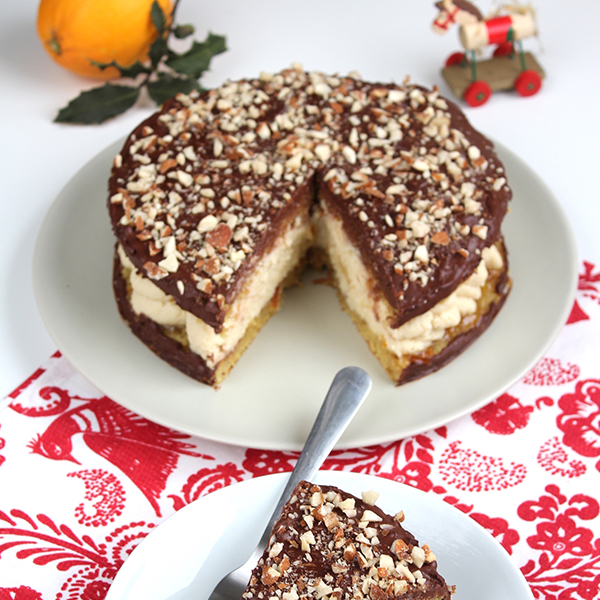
x=355 y=284
x=148 y=299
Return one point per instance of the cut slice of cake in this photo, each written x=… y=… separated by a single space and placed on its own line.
x=329 y=544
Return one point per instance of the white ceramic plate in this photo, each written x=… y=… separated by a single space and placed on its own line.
x=273 y=394
x=188 y=554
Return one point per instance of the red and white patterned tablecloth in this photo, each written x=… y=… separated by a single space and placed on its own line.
x=83 y=480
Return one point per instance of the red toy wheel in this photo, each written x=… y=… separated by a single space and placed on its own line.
x=477 y=93
x=528 y=83
x=456 y=59
x=503 y=49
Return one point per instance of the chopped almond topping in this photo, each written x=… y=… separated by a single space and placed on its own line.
x=219 y=237
x=441 y=238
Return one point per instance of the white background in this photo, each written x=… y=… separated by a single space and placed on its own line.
x=556 y=132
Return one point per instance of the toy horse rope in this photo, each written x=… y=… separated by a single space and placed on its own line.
x=513 y=8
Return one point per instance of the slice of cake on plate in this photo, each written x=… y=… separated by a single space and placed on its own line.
x=328 y=544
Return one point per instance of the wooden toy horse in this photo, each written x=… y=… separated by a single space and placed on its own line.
x=505 y=29
x=476 y=31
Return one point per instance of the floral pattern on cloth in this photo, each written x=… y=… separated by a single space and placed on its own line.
x=84 y=480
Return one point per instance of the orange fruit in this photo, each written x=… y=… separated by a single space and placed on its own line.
x=75 y=32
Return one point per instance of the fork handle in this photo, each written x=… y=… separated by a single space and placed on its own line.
x=348 y=391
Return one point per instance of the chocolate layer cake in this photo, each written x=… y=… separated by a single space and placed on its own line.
x=216 y=199
x=330 y=544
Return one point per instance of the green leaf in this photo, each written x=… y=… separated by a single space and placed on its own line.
x=216 y=43
x=98 y=104
x=167 y=86
x=158 y=49
x=183 y=31
x=158 y=17
x=132 y=71
x=197 y=59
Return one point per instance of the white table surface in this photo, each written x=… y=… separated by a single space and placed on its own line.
x=556 y=132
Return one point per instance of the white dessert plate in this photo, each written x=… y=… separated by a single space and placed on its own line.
x=272 y=396
x=188 y=553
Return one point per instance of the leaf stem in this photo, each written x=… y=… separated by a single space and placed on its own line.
x=172 y=23
x=148 y=75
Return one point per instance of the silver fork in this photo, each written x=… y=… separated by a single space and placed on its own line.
x=348 y=390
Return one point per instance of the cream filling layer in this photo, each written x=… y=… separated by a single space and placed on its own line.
x=148 y=299
x=355 y=284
